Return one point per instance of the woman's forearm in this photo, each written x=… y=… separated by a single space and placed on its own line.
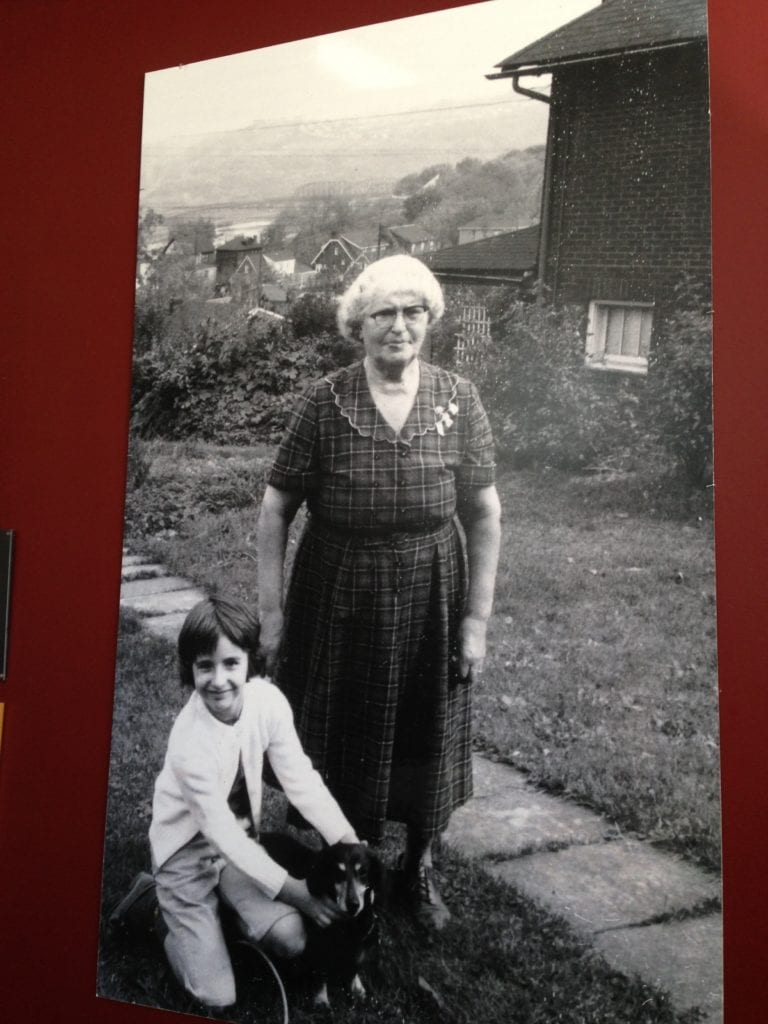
x=272 y=538
x=277 y=511
x=482 y=526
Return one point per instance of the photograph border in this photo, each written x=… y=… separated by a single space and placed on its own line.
x=73 y=111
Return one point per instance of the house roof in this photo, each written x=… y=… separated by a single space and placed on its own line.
x=512 y=252
x=616 y=26
x=239 y=244
x=353 y=244
x=362 y=239
x=411 y=233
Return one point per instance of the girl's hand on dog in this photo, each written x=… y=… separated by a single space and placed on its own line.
x=321 y=910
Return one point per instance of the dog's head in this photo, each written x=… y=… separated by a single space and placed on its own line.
x=349 y=873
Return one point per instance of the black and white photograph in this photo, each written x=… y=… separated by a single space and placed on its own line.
x=416 y=707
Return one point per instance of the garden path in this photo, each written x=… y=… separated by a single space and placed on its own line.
x=647 y=913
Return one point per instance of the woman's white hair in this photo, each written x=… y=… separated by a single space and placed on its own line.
x=399 y=273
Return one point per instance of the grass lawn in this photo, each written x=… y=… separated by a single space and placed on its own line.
x=600 y=684
x=502 y=961
x=601 y=675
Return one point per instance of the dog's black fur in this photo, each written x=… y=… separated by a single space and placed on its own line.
x=354 y=878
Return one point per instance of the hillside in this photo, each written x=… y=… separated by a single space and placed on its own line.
x=269 y=161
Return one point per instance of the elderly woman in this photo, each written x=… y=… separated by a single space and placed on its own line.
x=386 y=612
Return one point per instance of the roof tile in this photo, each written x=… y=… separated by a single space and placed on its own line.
x=615 y=27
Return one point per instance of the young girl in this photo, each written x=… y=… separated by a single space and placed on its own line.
x=201 y=852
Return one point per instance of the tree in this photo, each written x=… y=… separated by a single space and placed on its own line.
x=193 y=236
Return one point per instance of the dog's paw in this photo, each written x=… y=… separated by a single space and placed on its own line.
x=320 y=999
x=357 y=989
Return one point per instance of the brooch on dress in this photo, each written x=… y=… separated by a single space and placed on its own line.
x=445 y=417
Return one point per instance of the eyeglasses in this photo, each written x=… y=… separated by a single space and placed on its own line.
x=386 y=317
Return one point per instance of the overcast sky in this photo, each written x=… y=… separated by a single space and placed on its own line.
x=430 y=60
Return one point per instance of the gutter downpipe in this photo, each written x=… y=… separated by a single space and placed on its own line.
x=546 y=201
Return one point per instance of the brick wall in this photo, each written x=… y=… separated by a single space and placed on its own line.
x=630 y=190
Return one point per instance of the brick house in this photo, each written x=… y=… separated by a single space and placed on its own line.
x=625 y=207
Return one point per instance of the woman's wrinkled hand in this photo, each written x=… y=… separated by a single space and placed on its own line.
x=471 y=646
x=271 y=634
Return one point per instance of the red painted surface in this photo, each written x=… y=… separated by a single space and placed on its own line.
x=71 y=106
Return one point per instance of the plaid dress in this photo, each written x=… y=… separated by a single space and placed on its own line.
x=377 y=593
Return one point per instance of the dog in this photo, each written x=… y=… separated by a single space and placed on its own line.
x=353 y=877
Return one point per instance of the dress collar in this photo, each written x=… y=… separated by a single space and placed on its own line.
x=436 y=392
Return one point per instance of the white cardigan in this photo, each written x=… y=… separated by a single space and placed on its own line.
x=199 y=771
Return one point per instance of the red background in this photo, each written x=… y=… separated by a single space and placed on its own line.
x=71 y=114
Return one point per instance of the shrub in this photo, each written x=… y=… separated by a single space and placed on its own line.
x=546 y=408
x=229 y=381
x=679 y=387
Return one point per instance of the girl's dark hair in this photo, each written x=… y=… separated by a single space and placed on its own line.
x=210 y=619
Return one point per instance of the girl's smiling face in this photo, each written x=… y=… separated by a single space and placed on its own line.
x=219 y=678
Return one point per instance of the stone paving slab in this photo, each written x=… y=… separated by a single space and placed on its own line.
x=609 y=885
x=163 y=604
x=683 y=957
x=165 y=626
x=153 y=585
x=507 y=817
x=141 y=570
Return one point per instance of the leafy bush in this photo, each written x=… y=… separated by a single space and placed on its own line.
x=546 y=408
x=230 y=381
x=679 y=387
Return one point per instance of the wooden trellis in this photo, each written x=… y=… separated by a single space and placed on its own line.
x=474 y=338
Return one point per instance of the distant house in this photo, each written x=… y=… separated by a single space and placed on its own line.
x=510 y=259
x=486 y=226
x=409 y=238
x=239 y=268
x=285 y=263
x=345 y=255
x=625 y=207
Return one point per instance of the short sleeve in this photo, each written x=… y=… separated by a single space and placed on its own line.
x=477 y=467
x=295 y=467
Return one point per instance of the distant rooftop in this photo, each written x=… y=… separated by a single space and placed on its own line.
x=615 y=27
x=513 y=252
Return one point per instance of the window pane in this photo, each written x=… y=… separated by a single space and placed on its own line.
x=630 y=343
x=645 y=333
x=614 y=330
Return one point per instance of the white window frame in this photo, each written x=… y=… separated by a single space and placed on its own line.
x=596 y=356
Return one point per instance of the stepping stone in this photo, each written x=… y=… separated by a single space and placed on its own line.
x=609 y=885
x=163 y=604
x=141 y=571
x=165 y=626
x=153 y=585
x=132 y=559
x=507 y=817
x=683 y=957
